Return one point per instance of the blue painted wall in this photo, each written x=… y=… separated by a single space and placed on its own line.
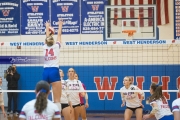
x=31 y=75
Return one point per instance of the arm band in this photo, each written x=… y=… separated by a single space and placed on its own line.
x=86 y=96
x=154 y=110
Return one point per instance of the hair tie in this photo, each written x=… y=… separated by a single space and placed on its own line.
x=42 y=90
x=157 y=85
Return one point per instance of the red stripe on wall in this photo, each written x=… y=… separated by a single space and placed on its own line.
x=123 y=2
x=158 y=4
x=150 y=13
x=166 y=11
x=115 y=13
x=141 y=14
x=132 y=23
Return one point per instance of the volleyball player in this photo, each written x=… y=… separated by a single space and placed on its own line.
x=83 y=106
x=176 y=108
x=160 y=107
x=2 y=99
x=74 y=85
x=40 y=108
x=131 y=99
x=66 y=105
x=51 y=61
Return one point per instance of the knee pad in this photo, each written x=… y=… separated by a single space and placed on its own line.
x=59 y=106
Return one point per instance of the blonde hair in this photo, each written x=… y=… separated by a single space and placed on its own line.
x=49 y=41
x=130 y=79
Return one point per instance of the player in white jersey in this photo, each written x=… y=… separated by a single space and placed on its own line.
x=67 y=110
x=40 y=108
x=84 y=106
x=2 y=99
x=74 y=85
x=176 y=108
x=51 y=61
x=131 y=99
x=160 y=107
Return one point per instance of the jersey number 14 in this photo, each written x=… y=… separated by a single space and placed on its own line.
x=51 y=52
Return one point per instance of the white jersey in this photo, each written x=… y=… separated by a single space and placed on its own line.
x=176 y=105
x=51 y=55
x=29 y=112
x=131 y=98
x=64 y=94
x=163 y=108
x=1 y=97
x=74 y=85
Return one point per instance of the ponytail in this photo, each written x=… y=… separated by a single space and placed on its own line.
x=41 y=98
x=157 y=92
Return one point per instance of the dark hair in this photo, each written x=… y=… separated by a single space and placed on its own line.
x=157 y=92
x=42 y=89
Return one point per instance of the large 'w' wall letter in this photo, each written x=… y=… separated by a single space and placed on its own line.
x=106 y=84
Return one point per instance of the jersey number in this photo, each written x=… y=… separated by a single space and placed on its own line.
x=51 y=52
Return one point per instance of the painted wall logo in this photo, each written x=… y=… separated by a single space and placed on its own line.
x=35 y=8
x=5 y=12
x=110 y=84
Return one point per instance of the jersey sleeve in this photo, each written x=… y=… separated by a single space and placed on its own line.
x=122 y=95
x=152 y=102
x=140 y=91
x=81 y=86
x=175 y=106
x=23 y=113
x=56 y=112
x=58 y=44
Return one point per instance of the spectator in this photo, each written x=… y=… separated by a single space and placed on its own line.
x=1 y=99
x=12 y=78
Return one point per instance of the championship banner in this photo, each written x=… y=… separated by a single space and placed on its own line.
x=176 y=19
x=34 y=14
x=9 y=17
x=68 y=10
x=92 y=16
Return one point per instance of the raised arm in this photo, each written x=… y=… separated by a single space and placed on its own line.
x=47 y=24
x=60 y=23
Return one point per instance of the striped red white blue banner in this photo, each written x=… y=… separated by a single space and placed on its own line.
x=145 y=12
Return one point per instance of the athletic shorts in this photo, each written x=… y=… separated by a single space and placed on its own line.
x=51 y=74
x=169 y=117
x=63 y=105
x=133 y=109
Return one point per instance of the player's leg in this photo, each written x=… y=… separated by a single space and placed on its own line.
x=77 y=111
x=139 y=113
x=128 y=114
x=54 y=79
x=66 y=112
x=83 y=112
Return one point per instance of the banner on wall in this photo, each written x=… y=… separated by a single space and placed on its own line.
x=34 y=14
x=68 y=10
x=92 y=16
x=176 y=19
x=9 y=17
x=21 y=59
x=95 y=43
